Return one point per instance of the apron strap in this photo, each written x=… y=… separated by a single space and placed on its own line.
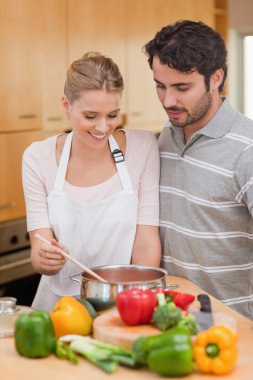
x=117 y=156
x=121 y=166
x=63 y=164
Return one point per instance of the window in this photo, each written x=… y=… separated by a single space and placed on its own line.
x=240 y=72
x=248 y=76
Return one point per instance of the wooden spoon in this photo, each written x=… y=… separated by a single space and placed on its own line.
x=72 y=259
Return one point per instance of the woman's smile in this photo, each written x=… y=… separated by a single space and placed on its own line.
x=98 y=137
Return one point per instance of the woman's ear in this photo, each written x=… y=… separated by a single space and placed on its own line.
x=65 y=104
x=216 y=79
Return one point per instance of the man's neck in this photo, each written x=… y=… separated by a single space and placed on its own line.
x=189 y=130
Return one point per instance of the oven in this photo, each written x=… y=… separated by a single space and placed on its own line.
x=17 y=277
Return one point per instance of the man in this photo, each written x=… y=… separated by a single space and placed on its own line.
x=206 y=186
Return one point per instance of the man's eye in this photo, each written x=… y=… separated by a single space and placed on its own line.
x=182 y=89
x=113 y=116
x=158 y=85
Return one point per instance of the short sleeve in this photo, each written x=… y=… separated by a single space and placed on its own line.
x=244 y=178
x=144 y=166
x=34 y=189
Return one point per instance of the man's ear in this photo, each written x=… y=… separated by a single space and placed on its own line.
x=216 y=79
x=65 y=104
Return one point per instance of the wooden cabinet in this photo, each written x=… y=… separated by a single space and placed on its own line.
x=54 y=63
x=12 y=146
x=33 y=64
x=32 y=73
x=20 y=65
x=95 y=25
x=221 y=17
x=143 y=108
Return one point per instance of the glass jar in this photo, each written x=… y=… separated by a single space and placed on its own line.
x=9 y=312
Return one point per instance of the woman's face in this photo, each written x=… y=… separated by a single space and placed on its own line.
x=94 y=116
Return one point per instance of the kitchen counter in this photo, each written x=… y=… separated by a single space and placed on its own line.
x=13 y=366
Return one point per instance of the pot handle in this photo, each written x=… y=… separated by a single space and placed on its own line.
x=165 y=287
x=76 y=277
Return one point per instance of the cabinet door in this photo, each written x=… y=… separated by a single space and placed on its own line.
x=12 y=146
x=20 y=65
x=144 y=109
x=54 y=63
x=96 y=25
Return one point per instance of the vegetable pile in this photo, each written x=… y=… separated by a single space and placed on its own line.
x=63 y=332
x=164 y=308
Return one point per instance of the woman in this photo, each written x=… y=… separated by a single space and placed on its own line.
x=94 y=190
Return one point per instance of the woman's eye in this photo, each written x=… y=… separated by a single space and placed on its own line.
x=112 y=116
x=89 y=117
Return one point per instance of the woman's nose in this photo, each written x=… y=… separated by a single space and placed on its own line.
x=102 y=126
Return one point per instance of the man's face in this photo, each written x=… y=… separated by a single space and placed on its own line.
x=183 y=95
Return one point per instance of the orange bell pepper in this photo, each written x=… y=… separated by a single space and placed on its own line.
x=215 y=350
x=69 y=316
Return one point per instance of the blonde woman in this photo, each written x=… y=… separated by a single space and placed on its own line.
x=94 y=190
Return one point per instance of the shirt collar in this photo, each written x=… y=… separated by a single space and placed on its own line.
x=219 y=125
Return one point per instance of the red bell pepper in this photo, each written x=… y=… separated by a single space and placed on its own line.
x=181 y=300
x=136 y=306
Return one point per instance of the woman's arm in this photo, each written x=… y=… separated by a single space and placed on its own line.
x=36 y=166
x=147 y=246
x=46 y=258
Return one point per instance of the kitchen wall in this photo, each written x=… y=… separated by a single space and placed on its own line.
x=240 y=20
x=240 y=14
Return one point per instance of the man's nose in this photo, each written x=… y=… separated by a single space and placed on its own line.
x=169 y=99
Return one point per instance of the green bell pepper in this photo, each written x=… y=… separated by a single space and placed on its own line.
x=34 y=334
x=168 y=354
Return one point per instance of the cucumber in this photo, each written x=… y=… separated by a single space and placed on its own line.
x=88 y=306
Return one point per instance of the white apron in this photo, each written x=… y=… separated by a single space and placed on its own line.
x=96 y=233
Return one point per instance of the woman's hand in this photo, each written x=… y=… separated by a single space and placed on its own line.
x=46 y=259
x=50 y=258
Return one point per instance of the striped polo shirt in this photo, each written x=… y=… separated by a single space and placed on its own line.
x=206 y=207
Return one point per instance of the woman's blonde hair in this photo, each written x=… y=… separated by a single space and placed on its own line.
x=93 y=71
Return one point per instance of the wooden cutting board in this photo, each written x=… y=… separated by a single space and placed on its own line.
x=108 y=327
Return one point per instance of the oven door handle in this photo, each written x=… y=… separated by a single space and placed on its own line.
x=15 y=264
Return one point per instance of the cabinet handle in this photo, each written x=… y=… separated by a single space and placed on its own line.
x=28 y=116
x=135 y=113
x=57 y=118
x=8 y=205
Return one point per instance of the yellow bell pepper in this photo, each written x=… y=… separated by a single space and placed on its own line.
x=215 y=350
x=69 y=316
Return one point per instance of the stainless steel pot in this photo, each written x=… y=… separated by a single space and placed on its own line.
x=120 y=277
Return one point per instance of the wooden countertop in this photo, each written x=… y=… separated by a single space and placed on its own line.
x=13 y=366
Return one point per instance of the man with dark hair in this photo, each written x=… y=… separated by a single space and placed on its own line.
x=206 y=148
